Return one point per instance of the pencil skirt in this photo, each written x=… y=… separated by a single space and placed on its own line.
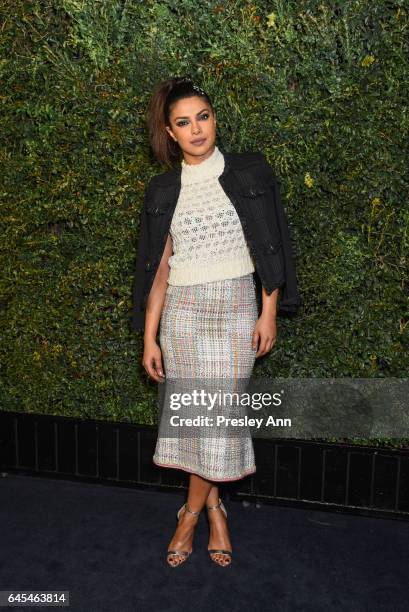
x=206 y=334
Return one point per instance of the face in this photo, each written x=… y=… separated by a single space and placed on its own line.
x=192 y=119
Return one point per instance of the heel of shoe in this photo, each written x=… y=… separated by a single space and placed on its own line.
x=179 y=511
x=182 y=555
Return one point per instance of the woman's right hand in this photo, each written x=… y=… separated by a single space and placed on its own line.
x=152 y=360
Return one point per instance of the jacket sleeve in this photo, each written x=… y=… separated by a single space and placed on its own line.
x=289 y=299
x=138 y=307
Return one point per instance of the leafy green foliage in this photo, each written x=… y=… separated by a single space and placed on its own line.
x=320 y=87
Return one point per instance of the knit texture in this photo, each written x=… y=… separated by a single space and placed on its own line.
x=208 y=239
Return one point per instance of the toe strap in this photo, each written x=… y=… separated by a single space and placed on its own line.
x=220 y=551
x=180 y=553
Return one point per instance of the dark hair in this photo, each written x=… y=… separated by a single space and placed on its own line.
x=166 y=93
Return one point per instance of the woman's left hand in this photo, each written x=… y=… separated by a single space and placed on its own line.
x=264 y=335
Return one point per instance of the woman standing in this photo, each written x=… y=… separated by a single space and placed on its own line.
x=203 y=301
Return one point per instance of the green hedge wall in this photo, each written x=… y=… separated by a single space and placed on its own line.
x=320 y=87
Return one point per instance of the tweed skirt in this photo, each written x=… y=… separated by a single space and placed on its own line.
x=206 y=333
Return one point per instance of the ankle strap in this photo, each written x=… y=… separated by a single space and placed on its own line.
x=215 y=507
x=191 y=511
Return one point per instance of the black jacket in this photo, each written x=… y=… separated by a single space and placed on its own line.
x=250 y=184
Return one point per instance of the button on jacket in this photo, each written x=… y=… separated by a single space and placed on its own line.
x=249 y=182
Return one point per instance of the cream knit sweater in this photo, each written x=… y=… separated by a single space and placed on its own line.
x=208 y=239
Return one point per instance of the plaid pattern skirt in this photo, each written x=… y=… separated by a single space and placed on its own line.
x=206 y=333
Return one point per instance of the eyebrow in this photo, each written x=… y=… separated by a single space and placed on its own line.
x=196 y=114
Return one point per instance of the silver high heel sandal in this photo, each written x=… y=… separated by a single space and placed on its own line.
x=227 y=554
x=182 y=554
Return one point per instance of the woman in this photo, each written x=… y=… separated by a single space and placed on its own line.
x=203 y=299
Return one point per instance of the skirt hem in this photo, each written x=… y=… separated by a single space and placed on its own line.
x=206 y=476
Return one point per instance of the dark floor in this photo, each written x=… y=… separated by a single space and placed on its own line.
x=106 y=545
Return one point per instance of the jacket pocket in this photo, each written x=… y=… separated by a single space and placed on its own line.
x=255 y=197
x=154 y=209
x=157 y=220
x=158 y=201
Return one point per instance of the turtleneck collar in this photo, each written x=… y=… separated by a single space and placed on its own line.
x=211 y=167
